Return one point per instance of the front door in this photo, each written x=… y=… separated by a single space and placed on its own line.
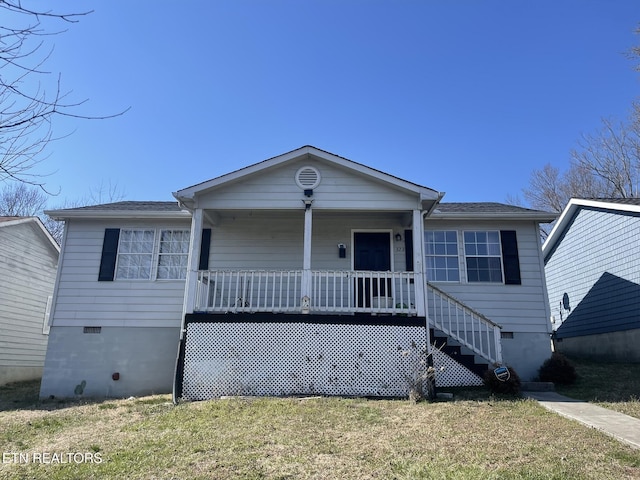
x=372 y=252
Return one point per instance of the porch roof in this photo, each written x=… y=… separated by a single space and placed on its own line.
x=186 y=195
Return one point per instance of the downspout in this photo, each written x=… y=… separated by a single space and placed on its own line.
x=178 y=373
x=423 y=215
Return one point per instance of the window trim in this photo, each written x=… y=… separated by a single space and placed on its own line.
x=172 y=254
x=457 y=255
x=120 y=255
x=155 y=254
x=509 y=256
x=499 y=255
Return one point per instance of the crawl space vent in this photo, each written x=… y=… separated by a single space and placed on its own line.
x=307 y=178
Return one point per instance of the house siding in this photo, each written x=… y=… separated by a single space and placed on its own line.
x=596 y=264
x=28 y=265
x=517 y=308
x=273 y=240
x=338 y=189
x=84 y=301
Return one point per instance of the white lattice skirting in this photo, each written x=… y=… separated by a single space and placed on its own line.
x=302 y=358
x=450 y=373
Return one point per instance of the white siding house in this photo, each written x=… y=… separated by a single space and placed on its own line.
x=28 y=260
x=304 y=273
x=592 y=266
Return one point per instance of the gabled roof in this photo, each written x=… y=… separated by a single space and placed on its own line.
x=128 y=209
x=493 y=210
x=8 y=222
x=185 y=195
x=622 y=205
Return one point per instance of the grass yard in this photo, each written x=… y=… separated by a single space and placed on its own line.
x=610 y=385
x=476 y=436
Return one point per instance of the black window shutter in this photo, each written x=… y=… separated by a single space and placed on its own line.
x=408 y=250
x=510 y=257
x=205 y=246
x=109 y=254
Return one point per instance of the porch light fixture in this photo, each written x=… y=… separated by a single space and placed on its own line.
x=398 y=237
x=308 y=192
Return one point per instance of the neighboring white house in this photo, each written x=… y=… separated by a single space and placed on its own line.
x=28 y=260
x=592 y=264
x=304 y=273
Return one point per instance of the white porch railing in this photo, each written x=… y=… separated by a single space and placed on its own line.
x=248 y=291
x=346 y=291
x=220 y=291
x=470 y=328
x=363 y=292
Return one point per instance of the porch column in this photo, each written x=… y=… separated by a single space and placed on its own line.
x=191 y=282
x=305 y=287
x=418 y=262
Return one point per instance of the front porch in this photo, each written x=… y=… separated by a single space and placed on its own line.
x=330 y=292
x=359 y=333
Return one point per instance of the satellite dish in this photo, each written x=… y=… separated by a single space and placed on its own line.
x=565 y=302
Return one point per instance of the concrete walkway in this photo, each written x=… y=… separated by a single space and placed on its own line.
x=618 y=425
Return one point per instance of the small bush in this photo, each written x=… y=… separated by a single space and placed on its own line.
x=558 y=369
x=510 y=387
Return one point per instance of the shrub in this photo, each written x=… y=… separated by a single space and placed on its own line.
x=557 y=369
x=510 y=386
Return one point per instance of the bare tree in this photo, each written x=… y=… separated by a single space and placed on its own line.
x=104 y=192
x=21 y=200
x=604 y=165
x=612 y=158
x=27 y=107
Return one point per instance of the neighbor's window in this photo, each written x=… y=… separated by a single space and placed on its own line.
x=441 y=247
x=135 y=254
x=173 y=254
x=483 y=257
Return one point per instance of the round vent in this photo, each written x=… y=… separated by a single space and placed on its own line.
x=308 y=178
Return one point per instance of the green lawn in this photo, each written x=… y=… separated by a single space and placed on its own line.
x=475 y=436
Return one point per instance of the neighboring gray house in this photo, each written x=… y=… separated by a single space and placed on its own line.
x=28 y=260
x=592 y=264
x=304 y=273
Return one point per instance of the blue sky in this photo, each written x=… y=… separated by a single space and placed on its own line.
x=466 y=97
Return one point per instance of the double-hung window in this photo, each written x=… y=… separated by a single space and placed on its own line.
x=173 y=254
x=147 y=254
x=483 y=256
x=489 y=256
x=135 y=254
x=441 y=247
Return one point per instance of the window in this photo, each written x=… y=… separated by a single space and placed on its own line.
x=143 y=255
x=174 y=252
x=441 y=249
x=135 y=254
x=483 y=256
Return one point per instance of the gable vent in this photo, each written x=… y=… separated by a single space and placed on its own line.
x=307 y=178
